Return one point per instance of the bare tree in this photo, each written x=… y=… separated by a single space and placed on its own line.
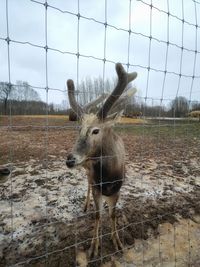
x=90 y=90
x=5 y=90
x=179 y=106
x=196 y=105
x=25 y=100
x=23 y=91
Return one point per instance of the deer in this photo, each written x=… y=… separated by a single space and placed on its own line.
x=100 y=151
x=4 y=173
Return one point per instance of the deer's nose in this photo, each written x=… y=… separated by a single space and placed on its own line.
x=70 y=162
x=4 y=171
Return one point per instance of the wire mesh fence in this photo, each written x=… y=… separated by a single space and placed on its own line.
x=43 y=223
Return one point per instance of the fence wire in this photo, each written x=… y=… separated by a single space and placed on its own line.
x=131 y=33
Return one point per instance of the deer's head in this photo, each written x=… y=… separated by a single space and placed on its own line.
x=95 y=128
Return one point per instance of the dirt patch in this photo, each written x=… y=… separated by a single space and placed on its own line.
x=42 y=221
x=48 y=218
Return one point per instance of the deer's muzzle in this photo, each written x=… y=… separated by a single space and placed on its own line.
x=70 y=162
x=4 y=174
x=4 y=171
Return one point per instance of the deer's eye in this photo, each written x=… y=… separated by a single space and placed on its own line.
x=95 y=131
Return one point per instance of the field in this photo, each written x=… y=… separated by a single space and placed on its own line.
x=42 y=222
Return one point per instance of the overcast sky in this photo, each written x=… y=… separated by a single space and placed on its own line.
x=27 y=24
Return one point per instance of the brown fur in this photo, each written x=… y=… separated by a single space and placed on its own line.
x=103 y=157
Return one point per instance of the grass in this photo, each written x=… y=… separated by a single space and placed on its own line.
x=53 y=120
x=35 y=117
x=125 y=120
x=34 y=120
x=135 y=126
x=186 y=129
x=28 y=140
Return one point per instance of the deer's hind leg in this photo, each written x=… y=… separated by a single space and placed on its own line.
x=94 y=247
x=112 y=201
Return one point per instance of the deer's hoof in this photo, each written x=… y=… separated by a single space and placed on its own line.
x=93 y=250
x=86 y=207
x=117 y=243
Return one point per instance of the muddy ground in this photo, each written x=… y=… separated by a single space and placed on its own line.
x=42 y=222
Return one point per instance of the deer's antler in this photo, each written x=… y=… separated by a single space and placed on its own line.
x=123 y=79
x=93 y=104
x=120 y=104
x=72 y=100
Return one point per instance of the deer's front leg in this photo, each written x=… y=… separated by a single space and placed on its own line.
x=93 y=251
x=112 y=201
x=87 y=200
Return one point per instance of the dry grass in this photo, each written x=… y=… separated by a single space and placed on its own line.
x=56 y=120
x=125 y=120
x=34 y=120
x=34 y=116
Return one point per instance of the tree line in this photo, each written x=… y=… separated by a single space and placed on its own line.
x=179 y=107
x=22 y=99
